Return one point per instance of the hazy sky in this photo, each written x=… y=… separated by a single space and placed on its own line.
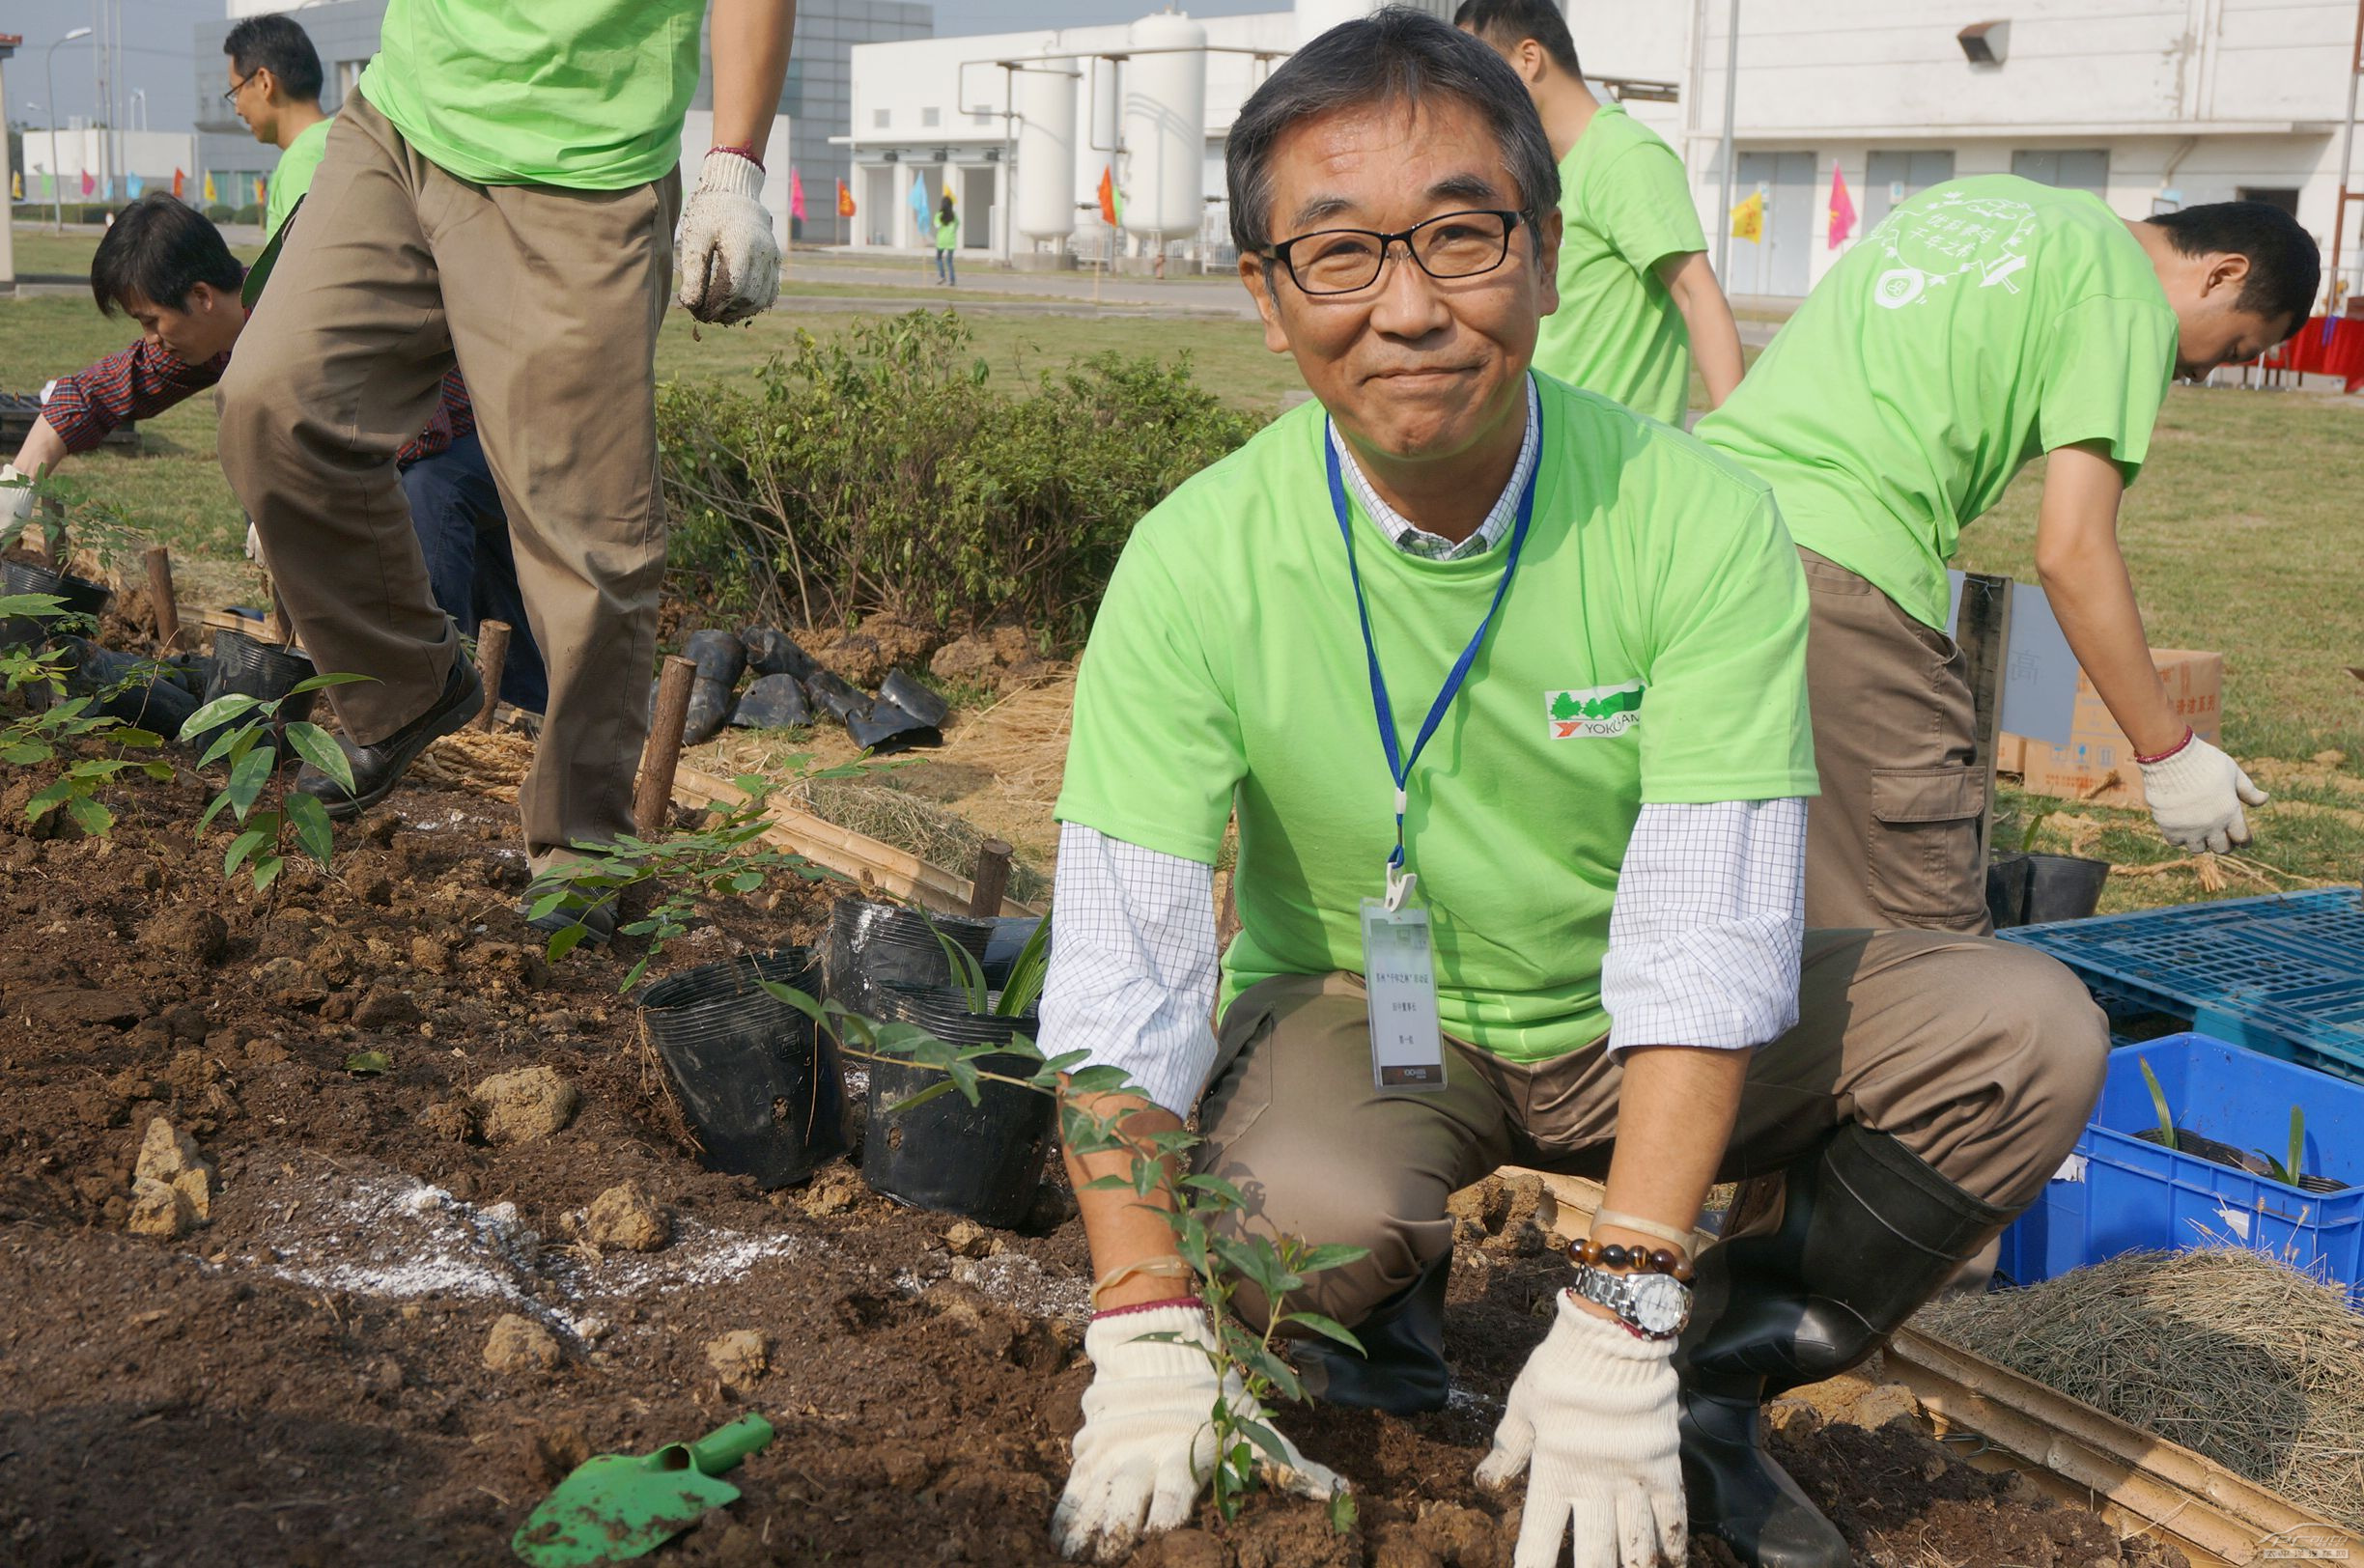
x=158 y=41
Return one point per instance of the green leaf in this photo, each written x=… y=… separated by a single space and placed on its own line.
x=318 y=747
x=247 y=779
x=220 y=710
x=46 y=798
x=931 y=1092
x=313 y=829
x=24 y=754
x=2158 y=1103
x=632 y=976
x=365 y=1063
x=1327 y=1327
x=1343 y=1514
x=747 y=882
x=1266 y=1439
x=817 y=1011
x=37 y=607
x=213 y=809
x=90 y=816
x=1026 y=973
x=565 y=940
x=321 y=683
x=243 y=846
x=1331 y=1255
x=233 y=743
x=2298 y=1146
x=266 y=869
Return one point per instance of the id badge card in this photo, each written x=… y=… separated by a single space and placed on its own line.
x=1399 y=974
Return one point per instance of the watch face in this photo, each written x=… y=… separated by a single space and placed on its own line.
x=1660 y=1304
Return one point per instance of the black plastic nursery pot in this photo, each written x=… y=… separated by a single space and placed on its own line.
x=2036 y=889
x=244 y=667
x=982 y=1162
x=146 y=693
x=874 y=944
x=77 y=596
x=1008 y=939
x=771 y=702
x=762 y=1089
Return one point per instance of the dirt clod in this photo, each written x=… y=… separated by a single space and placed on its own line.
x=187 y=932
x=521 y=1107
x=626 y=1218
x=160 y=1210
x=966 y=1239
x=165 y=1153
x=740 y=1357
x=383 y=1007
x=520 y=1345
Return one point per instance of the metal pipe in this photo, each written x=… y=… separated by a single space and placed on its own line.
x=57 y=203
x=2339 y=209
x=1732 y=98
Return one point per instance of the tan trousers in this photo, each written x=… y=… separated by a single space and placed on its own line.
x=1893 y=839
x=550 y=301
x=1980 y=1057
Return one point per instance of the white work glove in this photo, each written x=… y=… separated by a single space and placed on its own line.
x=254 y=543
x=15 y=496
x=1147 y=1445
x=2196 y=795
x=1593 y=1412
x=727 y=258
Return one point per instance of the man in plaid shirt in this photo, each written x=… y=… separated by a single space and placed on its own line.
x=160 y=250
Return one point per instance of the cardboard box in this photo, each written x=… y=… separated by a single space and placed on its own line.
x=2098 y=749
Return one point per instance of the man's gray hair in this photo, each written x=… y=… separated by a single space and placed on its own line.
x=1396 y=55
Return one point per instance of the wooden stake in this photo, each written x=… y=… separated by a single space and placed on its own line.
x=492 y=653
x=661 y=756
x=992 y=879
x=161 y=595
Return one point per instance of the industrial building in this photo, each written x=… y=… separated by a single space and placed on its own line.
x=2150 y=104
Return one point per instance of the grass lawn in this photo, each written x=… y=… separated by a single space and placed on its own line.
x=2244 y=534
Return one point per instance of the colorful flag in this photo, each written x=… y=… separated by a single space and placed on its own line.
x=796 y=194
x=210 y=197
x=1110 y=208
x=845 y=201
x=179 y=180
x=106 y=188
x=1748 y=219
x=88 y=185
x=919 y=201
x=133 y=184
x=17 y=187
x=262 y=191
x=1842 y=209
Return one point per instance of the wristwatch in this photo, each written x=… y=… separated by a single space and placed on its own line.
x=1653 y=1305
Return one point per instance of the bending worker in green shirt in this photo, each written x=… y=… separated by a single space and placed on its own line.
x=1987 y=321
x=1638 y=300
x=1505 y=687
x=501 y=190
x=276 y=88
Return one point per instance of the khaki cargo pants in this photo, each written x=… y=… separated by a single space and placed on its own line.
x=1980 y=1057
x=550 y=301
x=1895 y=839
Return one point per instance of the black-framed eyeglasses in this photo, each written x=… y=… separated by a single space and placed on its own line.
x=1449 y=245
x=239 y=85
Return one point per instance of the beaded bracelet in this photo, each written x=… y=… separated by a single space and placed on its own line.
x=1612 y=1256
x=2189 y=735
x=747 y=152
x=1146 y=1306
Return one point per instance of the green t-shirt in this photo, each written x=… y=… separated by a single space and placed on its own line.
x=298 y=162
x=1652 y=649
x=1987 y=321
x=588 y=95
x=947 y=232
x=1627 y=206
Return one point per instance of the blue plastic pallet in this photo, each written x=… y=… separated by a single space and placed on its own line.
x=2119 y=1192
x=2282 y=976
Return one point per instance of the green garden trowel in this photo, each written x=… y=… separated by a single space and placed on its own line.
x=621 y=1505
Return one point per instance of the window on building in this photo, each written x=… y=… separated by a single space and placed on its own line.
x=2285 y=197
x=1894 y=177
x=2070 y=169
x=929 y=119
x=881 y=119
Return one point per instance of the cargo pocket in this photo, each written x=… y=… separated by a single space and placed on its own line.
x=1924 y=848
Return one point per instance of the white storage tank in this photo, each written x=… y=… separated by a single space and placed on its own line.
x=1044 y=96
x=1165 y=129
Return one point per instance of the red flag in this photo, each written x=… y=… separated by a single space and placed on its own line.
x=1841 y=210
x=796 y=194
x=1108 y=196
x=88 y=183
x=845 y=201
x=179 y=180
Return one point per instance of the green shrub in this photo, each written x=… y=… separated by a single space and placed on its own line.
x=880 y=472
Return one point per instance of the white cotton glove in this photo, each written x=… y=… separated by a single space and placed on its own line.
x=15 y=496
x=254 y=543
x=1147 y=1445
x=1593 y=1414
x=2196 y=795
x=727 y=258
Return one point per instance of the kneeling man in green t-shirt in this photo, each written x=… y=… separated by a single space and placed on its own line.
x=1987 y=321
x=1505 y=687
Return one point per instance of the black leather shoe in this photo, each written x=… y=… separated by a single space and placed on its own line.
x=1868 y=1232
x=1402 y=1370
x=378 y=769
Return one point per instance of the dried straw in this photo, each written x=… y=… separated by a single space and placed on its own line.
x=909 y=823
x=2229 y=1351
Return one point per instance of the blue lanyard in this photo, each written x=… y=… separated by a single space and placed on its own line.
x=1399 y=764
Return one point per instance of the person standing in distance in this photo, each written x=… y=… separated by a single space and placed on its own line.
x=500 y=192
x=275 y=87
x=1637 y=300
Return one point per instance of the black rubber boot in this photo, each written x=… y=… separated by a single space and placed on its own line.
x=1867 y=1232
x=1403 y=1369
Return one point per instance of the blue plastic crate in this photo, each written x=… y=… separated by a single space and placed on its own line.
x=2119 y=1192
x=2284 y=976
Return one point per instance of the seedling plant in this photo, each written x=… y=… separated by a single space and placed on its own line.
x=47 y=732
x=261 y=844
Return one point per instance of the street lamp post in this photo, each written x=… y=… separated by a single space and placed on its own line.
x=56 y=206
